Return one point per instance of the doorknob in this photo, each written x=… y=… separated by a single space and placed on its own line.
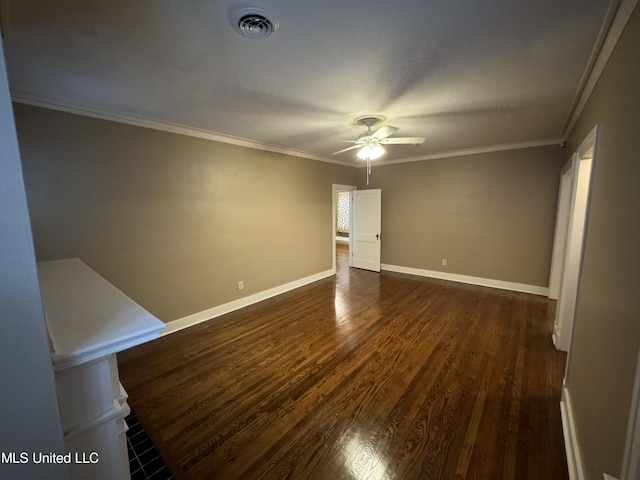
x=377 y=236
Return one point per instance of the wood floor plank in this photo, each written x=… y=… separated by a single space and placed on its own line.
x=362 y=376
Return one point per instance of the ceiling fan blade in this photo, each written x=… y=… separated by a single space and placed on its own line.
x=346 y=149
x=403 y=140
x=383 y=132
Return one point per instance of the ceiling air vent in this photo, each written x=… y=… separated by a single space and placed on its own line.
x=253 y=22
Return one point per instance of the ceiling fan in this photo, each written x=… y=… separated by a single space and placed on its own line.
x=371 y=143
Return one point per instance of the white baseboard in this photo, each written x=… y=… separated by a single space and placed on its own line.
x=200 y=317
x=574 y=461
x=214 y=312
x=454 y=277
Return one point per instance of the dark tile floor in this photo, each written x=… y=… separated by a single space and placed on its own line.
x=144 y=461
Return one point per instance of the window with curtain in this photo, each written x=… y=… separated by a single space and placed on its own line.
x=343 y=212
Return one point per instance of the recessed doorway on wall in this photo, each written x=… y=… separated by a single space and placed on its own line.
x=341 y=225
x=571 y=226
x=343 y=216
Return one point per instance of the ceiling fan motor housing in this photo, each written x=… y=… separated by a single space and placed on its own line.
x=369 y=120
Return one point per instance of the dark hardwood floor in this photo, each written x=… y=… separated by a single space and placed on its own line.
x=362 y=376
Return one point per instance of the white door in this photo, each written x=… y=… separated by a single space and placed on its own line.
x=366 y=208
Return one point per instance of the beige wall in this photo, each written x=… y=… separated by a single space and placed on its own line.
x=174 y=221
x=490 y=215
x=606 y=333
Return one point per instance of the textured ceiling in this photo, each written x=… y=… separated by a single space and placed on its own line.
x=464 y=74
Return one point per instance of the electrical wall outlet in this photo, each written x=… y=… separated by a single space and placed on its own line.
x=240 y=285
x=444 y=262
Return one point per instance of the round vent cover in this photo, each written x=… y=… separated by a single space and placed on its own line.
x=253 y=22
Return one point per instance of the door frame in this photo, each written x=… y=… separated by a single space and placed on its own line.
x=631 y=457
x=575 y=244
x=335 y=188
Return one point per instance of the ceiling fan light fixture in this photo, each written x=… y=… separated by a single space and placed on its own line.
x=371 y=152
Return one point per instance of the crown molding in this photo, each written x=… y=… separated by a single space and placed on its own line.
x=144 y=122
x=613 y=25
x=140 y=121
x=477 y=150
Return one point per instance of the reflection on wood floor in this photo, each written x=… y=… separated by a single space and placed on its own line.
x=359 y=376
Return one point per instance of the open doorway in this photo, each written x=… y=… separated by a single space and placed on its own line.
x=570 y=233
x=342 y=223
x=562 y=228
